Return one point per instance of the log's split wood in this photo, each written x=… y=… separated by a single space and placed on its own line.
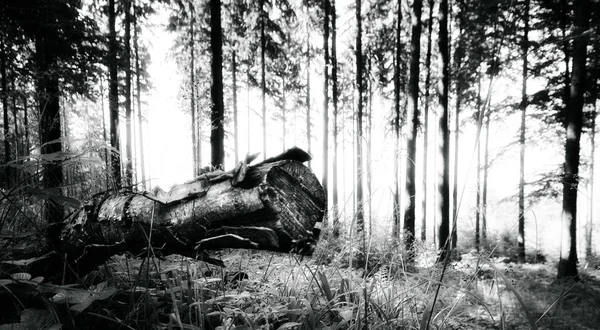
x=273 y=205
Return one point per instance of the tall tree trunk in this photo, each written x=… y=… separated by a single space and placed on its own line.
x=426 y=121
x=360 y=217
x=413 y=127
x=369 y=158
x=107 y=159
x=50 y=133
x=398 y=47
x=283 y=114
x=567 y=265
x=113 y=96
x=195 y=140
x=7 y=146
x=454 y=233
x=26 y=123
x=15 y=120
x=593 y=99
x=334 y=77
x=138 y=88
x=217 y=114
x=263 y=84
x=326 y=60
x=308 y=100
x=443 y=199
x=248 y=109
x=478 y=199
x=236 y=130
x=127 y=64
x=524 y=49
x=486 y=167
x=590 y=215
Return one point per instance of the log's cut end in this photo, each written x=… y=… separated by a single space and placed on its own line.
x=296 y=196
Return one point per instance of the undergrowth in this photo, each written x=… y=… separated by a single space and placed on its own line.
x=340 y=287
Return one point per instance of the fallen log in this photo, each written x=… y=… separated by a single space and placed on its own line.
x=273 y=205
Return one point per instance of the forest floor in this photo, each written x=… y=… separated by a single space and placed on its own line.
x=263 y=290
x=260 y=290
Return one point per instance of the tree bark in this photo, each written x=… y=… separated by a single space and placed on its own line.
x=236 y=129
x=413 y=127
x=194 y=123
x=426 y=121
x=486 y=167
x=334 y=81
x=128 y=125
x=326 y=60
x=567 y=265
x=217 y=114
x=273 y=205
x=6 y=124
x=50 y=134
x=524 y=49
x=138 y=89
x=308 y=99
x=397 y=120
x=443 y=199
x=263 y=83
x=360 y=216
x=113 y=96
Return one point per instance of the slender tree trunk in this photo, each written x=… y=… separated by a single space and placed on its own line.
x=360 y=217
x=524 y=49
x=50 y=134
x=334 y=80
x=263 y=84
x=283 y=114
x=326 y=60
x=486 y=167
x=369 y=158
x=113 y=96
x=127 y=64
x=454 y=234
x=138 y=88
x=413 y=127
x=236 y=131
x=478 y=209
x=26 y=123
x=15 y=120
x=567 y=265
x=593 y=99
x=426 y=121
x=248 y=110
x=195 y=140
x=217 y=114
x=104 y=137
x=590 y=215
x=308 y=99
x=7 y=146
x=443 y=202
x=398 y=48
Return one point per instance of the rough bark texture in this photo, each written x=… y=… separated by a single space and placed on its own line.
x=273 y=205
x=334 y=86
x=567 y=265
x=426 y=121
x=525 y=49
x=413 y=126
x=113 y=96
x=443 y=193
x=360 y=216
x=326 y=60
x=217 y=114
